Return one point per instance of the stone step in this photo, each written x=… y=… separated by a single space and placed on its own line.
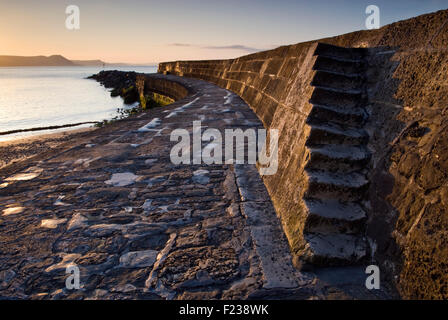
x=341 y=59
x=337 y=81
x=353 y=54
x=343 y=186
x=331 y=133
x=333 y=249
x=342 y=74
x=339 y=99
x=334 y=216
x=355 y=92
x=338 y=157
x=332 y=64
x=352 y=117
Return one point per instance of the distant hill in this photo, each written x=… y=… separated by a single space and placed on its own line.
x=37 y=61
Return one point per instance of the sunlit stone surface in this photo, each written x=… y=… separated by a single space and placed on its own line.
x=52 y=223
x=12 y=210
x=28 y=175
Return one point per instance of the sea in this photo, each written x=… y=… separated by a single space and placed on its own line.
x=36 y=97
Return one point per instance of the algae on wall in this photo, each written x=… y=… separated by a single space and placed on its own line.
x=150 y=99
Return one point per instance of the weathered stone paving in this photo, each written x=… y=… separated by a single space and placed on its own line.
x=139 y=227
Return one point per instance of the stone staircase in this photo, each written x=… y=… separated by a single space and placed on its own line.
x=338 y=160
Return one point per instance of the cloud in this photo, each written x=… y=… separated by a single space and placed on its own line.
x=234 y=47
x=230 y=47
x=180 y=45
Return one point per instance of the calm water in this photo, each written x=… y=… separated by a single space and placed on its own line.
x=46 y=96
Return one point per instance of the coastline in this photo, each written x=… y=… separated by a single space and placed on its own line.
x=20 y=148
x=52 y=128
x=21 y=144
x=18 y=145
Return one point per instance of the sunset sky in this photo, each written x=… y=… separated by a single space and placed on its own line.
x=146 y=31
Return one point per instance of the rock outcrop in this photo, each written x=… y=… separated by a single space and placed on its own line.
x=122 y=84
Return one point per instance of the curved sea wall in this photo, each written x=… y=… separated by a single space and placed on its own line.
x=406 y=99
x=169 y=88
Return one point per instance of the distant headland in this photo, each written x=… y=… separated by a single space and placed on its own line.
x=54 y=60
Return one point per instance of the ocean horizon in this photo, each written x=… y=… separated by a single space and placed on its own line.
x=36 y=97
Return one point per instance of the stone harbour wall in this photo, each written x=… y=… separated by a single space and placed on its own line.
x=407 y=103
x=169 y=88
